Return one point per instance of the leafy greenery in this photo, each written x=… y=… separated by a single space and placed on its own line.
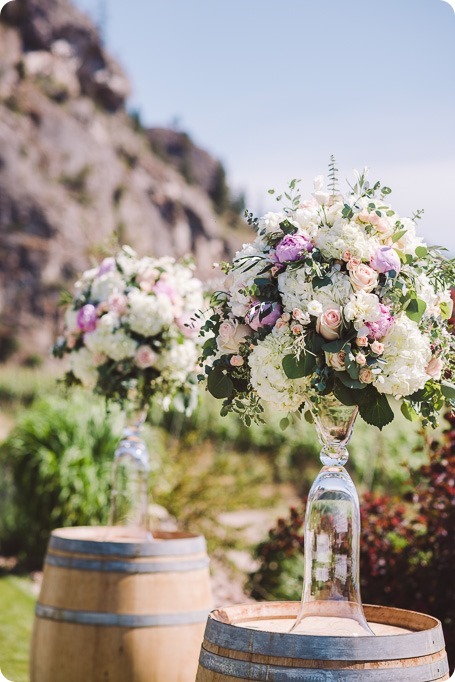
x=58 y=459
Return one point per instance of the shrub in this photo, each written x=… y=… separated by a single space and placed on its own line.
x=58 y=461
x=407 y=545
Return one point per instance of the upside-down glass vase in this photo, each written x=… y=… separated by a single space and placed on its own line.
x=331 y=603
x=130 y=478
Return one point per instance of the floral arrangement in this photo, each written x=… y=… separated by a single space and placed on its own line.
x=130 y=333
x=336 y=295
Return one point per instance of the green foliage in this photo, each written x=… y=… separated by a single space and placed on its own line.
x=58 y=458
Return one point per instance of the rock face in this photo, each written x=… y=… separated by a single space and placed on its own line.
x=78 y=174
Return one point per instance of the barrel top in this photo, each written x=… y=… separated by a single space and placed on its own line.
x=263 y=628
x=118 y=541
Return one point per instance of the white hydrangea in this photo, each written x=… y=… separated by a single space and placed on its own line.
x=406 y=354
x=409 y=241
x=267 y=374
x=362 y=308
x=149 y=314
x=120 y=346
x=344 y=237
x=306 y=218
x=109 y=341
x=270 y=222
x=177 y=361
x=81 y=365
x=242 y=276
x=105 y=285
x=297 y=292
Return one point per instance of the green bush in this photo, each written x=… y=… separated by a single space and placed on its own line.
x=57 y=461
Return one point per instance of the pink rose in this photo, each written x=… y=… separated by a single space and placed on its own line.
x=361 y=341
x=362 y=277
x=296 y=329
x=230 y=335
x=364 y=216
x=353 y=263
x=366 y=375
x=236 y=361
x=377 y=347
x=87 y=317
x=336 y=360
x=263 y=314
x=361 y=359
x=328 y=324
x=434 y=368
x=145 y=357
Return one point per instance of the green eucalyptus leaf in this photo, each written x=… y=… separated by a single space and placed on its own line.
x=398 y=235
x=409 y=412
x=349 y=382
x=448 y=390
x=421 y=251
x=415 y=309
x=284 y=423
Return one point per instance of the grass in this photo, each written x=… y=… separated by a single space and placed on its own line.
x=16 y=619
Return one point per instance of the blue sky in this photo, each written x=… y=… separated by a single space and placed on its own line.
x=273 y=88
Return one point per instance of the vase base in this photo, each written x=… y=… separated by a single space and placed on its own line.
x=326 y=626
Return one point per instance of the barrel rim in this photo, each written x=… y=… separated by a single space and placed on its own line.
x=234 y=637
x=262 y=672
x=171 y=543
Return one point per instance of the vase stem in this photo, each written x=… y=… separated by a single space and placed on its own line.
x=331 y=603
x=130 y=480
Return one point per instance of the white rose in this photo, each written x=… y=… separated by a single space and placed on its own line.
x=315 y=308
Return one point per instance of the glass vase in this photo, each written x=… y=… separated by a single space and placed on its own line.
x=130 y=480
x=331 y=603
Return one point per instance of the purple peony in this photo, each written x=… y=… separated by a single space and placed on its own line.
x=263 y=315
x=386 y=259
x=378 y=329
x=291 y=248
x=107 y=265
x=86 y=318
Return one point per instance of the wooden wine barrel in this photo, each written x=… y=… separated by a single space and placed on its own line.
x=251 y=642
x=120 y=610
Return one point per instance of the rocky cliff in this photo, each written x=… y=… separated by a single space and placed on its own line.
x=77 y=173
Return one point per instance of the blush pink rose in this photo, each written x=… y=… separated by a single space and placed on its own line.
x=336 y=360
x=362 y=277
x=328 y=324
x=236 y=361
x=366 y=376
x=231 y=334
x=145 y=357
x=377 y=347
x=434 y=368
